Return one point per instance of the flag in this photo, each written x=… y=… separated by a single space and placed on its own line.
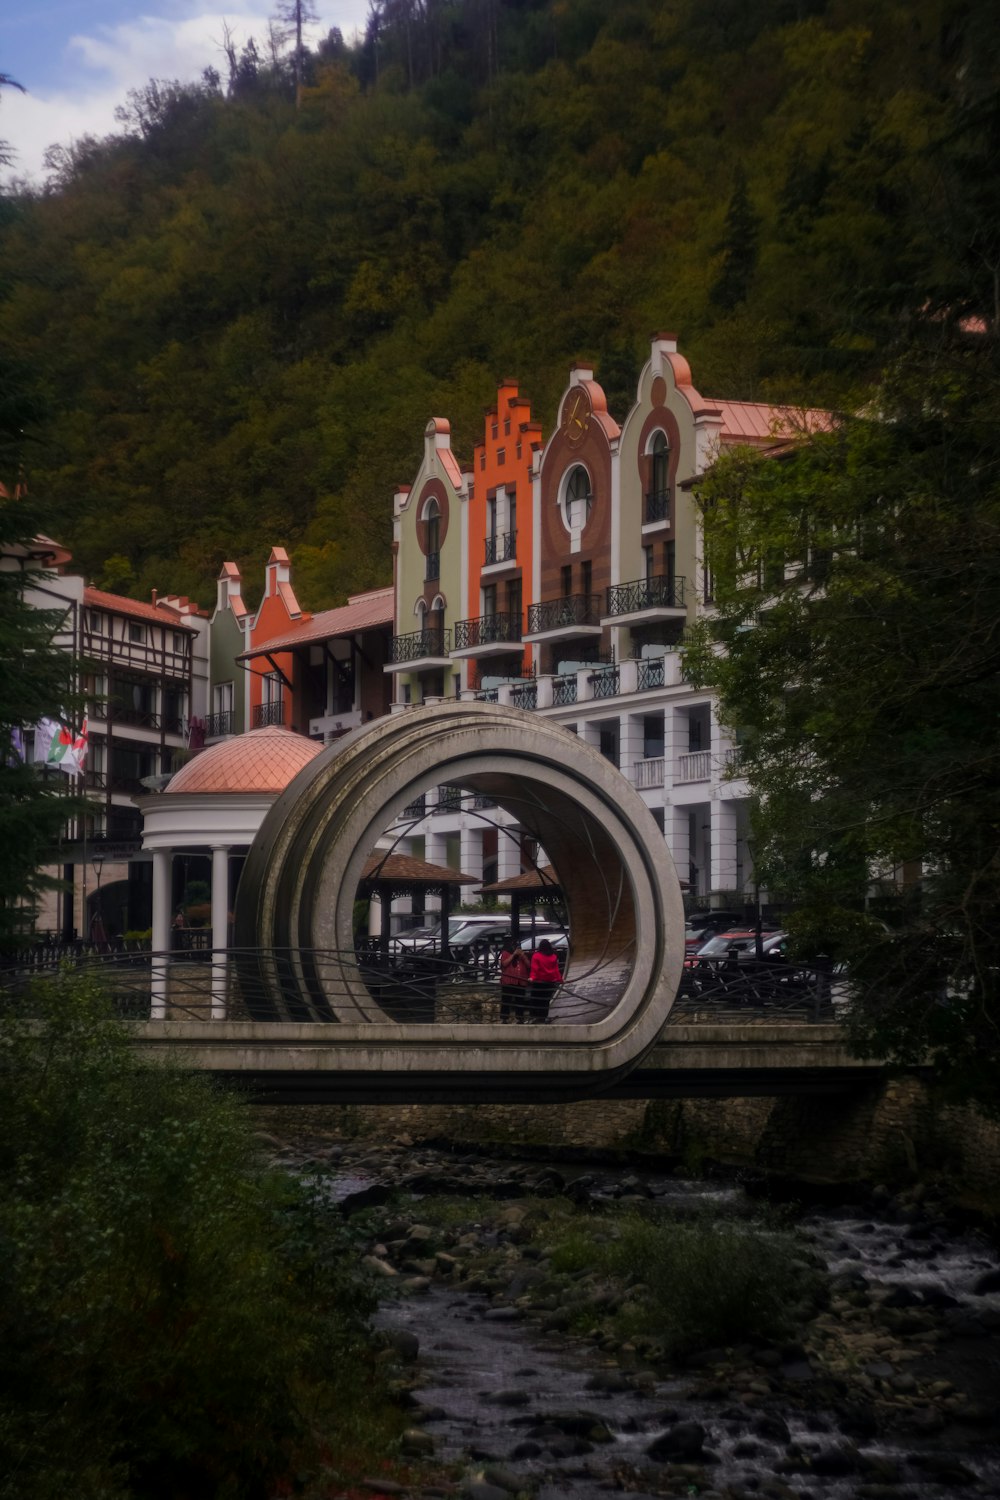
x=57 y=745
x=15 y=755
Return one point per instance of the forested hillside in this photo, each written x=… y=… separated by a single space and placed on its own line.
x=233 y=322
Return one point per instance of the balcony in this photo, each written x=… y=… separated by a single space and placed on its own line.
x=646 y=600
x=217 y=726
x=489 y=635
x=564 y=691
x=657 y=507
x=500 y=550
x=605 y=683
x=420 y=651
x=696 y=766
x=649 y=773
x=564 y=619
x=265 y=714
x=524 y=695
x=449 y=799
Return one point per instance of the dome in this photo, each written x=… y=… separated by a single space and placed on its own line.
x=264 y=760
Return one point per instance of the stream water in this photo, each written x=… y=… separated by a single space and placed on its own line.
x=520 y=1409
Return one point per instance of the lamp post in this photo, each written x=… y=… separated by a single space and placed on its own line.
x=97 y=922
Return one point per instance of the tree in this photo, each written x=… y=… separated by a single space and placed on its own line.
x=856 y=651
x=293 y=15
x=738 y=247
x=36 y=681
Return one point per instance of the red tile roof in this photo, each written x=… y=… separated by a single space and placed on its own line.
x=361 y=612
x=163 y=613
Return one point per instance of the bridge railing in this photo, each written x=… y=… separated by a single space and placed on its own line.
x=374 y=987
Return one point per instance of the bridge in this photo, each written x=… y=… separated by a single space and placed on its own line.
x=735 y=1029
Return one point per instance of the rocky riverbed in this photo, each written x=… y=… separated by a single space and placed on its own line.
x=520 y=1381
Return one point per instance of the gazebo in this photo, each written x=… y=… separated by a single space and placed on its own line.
x=528 y=889
x=388 y=876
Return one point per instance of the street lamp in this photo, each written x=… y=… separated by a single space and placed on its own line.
x=97 y=922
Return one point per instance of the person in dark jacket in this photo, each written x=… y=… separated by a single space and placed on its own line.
x=545 y=975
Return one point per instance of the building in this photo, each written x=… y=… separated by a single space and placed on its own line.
x=144 y=676
x=592 y=542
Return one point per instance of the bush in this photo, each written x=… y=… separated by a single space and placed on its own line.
x=709 y=1281
x=175 y=1318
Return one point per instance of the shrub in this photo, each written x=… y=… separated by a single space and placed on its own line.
x=709 y=1281
x=174 y=1317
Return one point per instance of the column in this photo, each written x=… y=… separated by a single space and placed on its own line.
x=220 y=929
x=676 y=735
x=630 y=745
x=723 y=815
x=162 y=871
x=677 y=832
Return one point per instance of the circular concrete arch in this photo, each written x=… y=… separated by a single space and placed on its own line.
x=296 y=901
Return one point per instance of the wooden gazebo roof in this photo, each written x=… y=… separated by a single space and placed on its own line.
x=404 y=874
x=544 y=879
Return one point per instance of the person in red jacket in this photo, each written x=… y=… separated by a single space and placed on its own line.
x=514 y=970
x=545 y=975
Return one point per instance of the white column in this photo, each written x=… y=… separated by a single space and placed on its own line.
x=676 y=735
x=471 y=857
x=723 y=815
x=630 y=744
x=677 y=831
x=162 y=870
x=220 y=928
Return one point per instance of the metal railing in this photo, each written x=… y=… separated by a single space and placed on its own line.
x=487 y=630
x=604 y=684
x=268 y=713
x=524 y=695
x=501 y=548
x=646 y=593
x=564 y=613
x=657 y=506
x=415 y=809
x=651 y=673
x=373 y=985
x=564 y=691
x=218 y=725
x=449 y=799
x=420 y=644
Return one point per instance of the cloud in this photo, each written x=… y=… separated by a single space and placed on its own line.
x=110 y=60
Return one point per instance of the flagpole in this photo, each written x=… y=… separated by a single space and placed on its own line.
x=80 y=790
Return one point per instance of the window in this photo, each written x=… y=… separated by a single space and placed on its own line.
x=578 y=499
x=566 y=580
x=222 y=697
x=491 y=516
x=660 y=469
x=506 y=427
x=180 y=642
x=95 y=622
x=514 y=600
x=136 y=633
x=432 y=518
x=272 y=688
x=586 y=578
x=490 y=599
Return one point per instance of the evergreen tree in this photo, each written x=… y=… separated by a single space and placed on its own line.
x=738 y=248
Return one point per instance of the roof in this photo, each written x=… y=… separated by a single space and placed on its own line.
x=163 y=614
x=759 y=422
x=532 y=880
x=361 y=612
x=263 y=760
x=403 y=869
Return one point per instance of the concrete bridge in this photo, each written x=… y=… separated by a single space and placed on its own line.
x=284 y=1063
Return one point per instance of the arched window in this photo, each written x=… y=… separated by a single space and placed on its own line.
x=432 y=519
x=578 y=499
x=658 y=499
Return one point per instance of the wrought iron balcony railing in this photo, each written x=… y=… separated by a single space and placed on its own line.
x=487 y=630
x=449 y=799
x=605 y=683
x=501 y=548
x=657 y=506
x=419 y=644
x=563 y=691
x=524 y=695
x=650 y=673
x=646 y=593
x=268 y=713
x=564 y=613
x=218 y=725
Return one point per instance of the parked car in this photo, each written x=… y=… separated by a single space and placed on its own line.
x=741 y=943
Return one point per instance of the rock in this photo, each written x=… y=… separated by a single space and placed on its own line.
x=835 y=1462
x=502 y=1314
x=880 y=1370
x=526 y=1449
x=771 y=1427
x=988 y=1282
x=416 y=1443
x=405 y=1343
x=380 y=1267
x=900 y=1296
x=943 y=1469
x=679 y=1444
x=364 y=1198
x=416 y=1284
x=858 y=1420
x=481 y=1489
x=508 y=1398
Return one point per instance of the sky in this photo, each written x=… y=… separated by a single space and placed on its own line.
x=77 y=59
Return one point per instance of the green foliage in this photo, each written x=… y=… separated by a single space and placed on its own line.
x=858 y=589
x=701 y=1282
x=174 y=1317
x=246 y=311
